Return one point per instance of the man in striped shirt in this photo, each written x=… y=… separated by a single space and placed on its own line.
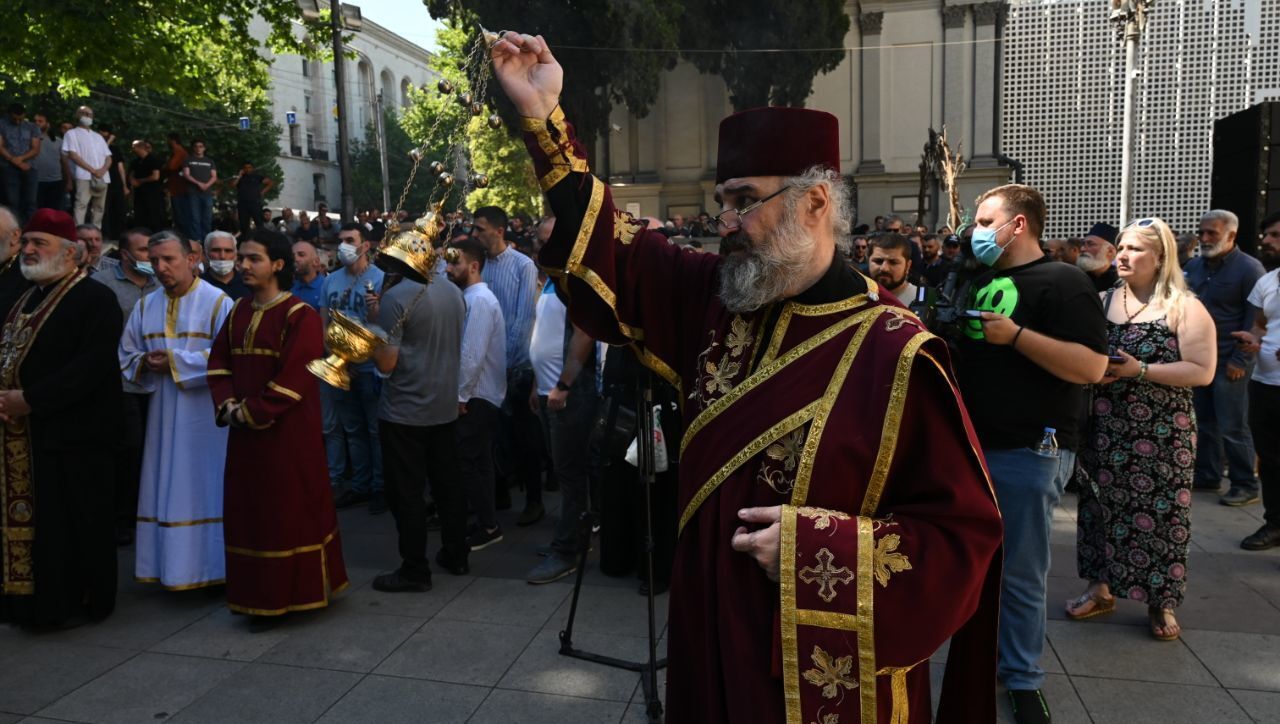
x=513 y=279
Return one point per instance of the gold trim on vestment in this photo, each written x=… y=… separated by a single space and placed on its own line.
x=828 y=619
x=653 y=362
x=787 y=616
x=755 y=379
x=866 y=612
x=213 y=315
x=217 y=373
x=800 y=491
x=818 y=310
x=177 y=523
x=177 y=335
x=779 y=331
x=977 y=454
x=783 y=427
x=285 y=553
x=255 y=350
x=183 y=587
x=285 y=391
x=249 y=421
x=892 y=423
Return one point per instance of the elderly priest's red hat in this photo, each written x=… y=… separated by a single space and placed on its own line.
x=50 y=221
x=777 y=141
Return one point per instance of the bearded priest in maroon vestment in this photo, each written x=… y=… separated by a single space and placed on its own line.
x=836 y=521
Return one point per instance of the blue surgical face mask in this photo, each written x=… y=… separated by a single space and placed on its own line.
x=144 y=268
x=985 y=247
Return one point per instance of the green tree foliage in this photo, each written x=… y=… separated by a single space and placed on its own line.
x=594 y=80
x=462 y=141
x=366 y=168
x=761 y=79
x=153 y=116
x=200 y=51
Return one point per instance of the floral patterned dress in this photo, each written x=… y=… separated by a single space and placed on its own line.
x=1134 y=518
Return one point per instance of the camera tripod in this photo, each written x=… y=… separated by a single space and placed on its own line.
x=649 y=668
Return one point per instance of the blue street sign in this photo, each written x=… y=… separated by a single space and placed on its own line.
x=291 y=118
x=244 y=123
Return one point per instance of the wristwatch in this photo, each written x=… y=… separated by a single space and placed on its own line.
x=560 y=385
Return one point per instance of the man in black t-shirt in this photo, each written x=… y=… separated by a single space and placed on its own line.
x=251 y=187
x=1022 y=371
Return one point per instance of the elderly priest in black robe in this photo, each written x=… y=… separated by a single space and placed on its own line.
x=60 y=399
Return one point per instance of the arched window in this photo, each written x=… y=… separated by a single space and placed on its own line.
x=388 y=85
x=405 y=85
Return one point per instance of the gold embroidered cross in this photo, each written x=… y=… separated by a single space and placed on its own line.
x=897 y=319
x=826 y=576
x=625 y=226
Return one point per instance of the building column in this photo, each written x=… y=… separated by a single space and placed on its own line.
x=870 y=24
x=986 y=82
x=957 y=80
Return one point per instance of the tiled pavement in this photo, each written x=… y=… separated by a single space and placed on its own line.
x=483 y=647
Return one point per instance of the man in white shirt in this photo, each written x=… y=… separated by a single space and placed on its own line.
x=1263 y=342
x=90 y=167
x=482 y=385
x=890 y=264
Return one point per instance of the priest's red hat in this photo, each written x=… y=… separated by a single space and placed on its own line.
x=51 y=221
x=777 y=141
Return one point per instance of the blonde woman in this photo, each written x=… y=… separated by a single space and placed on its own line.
x=1134 y=523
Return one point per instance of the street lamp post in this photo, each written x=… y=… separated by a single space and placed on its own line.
x=1130 y=18
x=340 y=80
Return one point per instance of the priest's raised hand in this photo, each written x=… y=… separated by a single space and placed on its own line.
x=529 y=74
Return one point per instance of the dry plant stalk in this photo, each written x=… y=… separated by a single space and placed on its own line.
x=950 y=166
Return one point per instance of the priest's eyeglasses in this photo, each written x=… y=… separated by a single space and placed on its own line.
x=731 y=220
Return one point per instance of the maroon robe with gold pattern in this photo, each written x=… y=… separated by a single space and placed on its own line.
x=843 y=411
x=283 y=549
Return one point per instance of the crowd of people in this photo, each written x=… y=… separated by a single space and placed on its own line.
x=1119 y=363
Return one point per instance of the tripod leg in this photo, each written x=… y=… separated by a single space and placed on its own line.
x=584 y=545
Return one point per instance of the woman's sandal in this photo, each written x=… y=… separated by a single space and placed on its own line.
x=1101 y=606
x=1162 y=619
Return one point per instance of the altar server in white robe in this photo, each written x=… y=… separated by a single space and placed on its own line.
x=165 y=348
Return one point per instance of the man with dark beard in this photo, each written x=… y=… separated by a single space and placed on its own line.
x=890 y=265
x=801 y=506
x=59 y=402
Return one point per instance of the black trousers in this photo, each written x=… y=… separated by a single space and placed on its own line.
x=475 y=458
x=1264 y=422
x=521 y=446
x=249 y=213
x=129 y=465
x=412 y=455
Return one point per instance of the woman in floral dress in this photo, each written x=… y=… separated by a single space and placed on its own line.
x=1134 y=523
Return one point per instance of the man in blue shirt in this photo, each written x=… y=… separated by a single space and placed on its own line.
x=308 y=284
x=357 y=408
x=513 y=279
x=1222 y=277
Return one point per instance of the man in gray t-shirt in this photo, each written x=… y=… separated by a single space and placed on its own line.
x=417 y=415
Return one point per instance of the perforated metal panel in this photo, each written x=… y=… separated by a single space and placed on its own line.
x=1062 y=110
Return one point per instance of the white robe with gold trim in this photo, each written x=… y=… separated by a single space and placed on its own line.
x=179 y=538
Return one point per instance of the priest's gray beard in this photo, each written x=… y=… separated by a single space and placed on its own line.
x=762 y=271
x=43 y=271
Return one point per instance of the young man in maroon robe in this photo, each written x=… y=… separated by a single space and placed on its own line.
x=822 y=557
x=283 y=549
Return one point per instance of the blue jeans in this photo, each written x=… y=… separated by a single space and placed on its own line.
x=567 y=432
x=1028 y=486
x=1222 y=417
x=358 y=411
x=335 y=442
x=200 y=215
x=20 y=190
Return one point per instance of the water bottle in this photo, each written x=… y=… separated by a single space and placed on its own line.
x=1048 y=445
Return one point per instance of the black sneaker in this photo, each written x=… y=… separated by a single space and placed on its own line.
x=399 y=582
x=481 y=538
x=1029 y=706
x=1268 y=536
x=350 y=499
x=1239 y=497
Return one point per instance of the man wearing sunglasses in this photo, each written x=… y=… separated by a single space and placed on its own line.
x=819 y=561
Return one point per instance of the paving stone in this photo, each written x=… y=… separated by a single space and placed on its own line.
x=270 y=694
x=222 y=635
x=1263 y=706
x=140 y=621
x=1238 y=660
x=342 y=640
x=462 y=652
x=505 y=601
x=1114 y=701
x=421 y=606
x=390 y=700
x=542 y=668
x=523 y=707
x=9 y=718
x=1126 y=652
x=1059 y=693
x=611 y=610
x=147 y=688
x=35 y=672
